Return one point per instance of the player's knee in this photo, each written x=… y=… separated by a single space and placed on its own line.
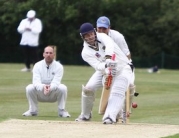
x=123 y=81
x=87 y=91
x=132 y=89
x=117 y=94
x=63 y=88
x=30 y=88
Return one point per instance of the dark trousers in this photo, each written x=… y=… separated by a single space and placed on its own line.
x=30 y=55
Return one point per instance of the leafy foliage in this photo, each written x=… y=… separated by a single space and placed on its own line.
x=150 y=27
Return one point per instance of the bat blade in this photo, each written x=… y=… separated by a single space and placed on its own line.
x=105 y=93
x=103 y=100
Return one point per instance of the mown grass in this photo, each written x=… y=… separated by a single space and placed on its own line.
x=158 y=101
x=174 y=136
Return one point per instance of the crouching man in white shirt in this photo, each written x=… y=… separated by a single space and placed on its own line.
x=46 y=85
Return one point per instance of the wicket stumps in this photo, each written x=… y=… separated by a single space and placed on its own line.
x=55 y=51
x=127 y=105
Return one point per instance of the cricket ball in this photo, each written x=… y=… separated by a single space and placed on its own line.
x=134 y=105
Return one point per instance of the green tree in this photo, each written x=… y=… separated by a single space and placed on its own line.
x=150 y=27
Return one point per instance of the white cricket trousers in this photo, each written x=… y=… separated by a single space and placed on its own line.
x=117 y=95
x=34 y=96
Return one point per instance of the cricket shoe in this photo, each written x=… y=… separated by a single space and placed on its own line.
x=29 y=113
x=63 y=113
x=82 y=118
x=124 y=117
x=25 y=70
x=108 y=121
x=119 y=116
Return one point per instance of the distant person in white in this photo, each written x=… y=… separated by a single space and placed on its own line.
x=30 y=28
x=46 y=85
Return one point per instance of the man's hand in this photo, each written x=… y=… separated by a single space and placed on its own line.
x=111 y=67
x=113 y=72
x=110 y=71
x=111 y=63
x=46 y=89
x=27 y=29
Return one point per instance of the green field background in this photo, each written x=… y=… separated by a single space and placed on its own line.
x=158 y=101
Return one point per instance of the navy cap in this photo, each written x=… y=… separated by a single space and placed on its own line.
x=86 y=28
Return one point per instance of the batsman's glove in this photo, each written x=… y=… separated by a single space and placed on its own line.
x=109 y=71
x=111 y=63
x=111 y=67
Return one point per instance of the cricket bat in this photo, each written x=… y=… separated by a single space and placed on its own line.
x=105 y=92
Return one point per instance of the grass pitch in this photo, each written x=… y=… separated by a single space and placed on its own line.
x=158 y=101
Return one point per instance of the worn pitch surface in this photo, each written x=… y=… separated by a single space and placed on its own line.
x=54 y=129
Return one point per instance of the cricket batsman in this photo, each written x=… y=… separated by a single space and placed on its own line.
x=103 y=26
x=97 y=51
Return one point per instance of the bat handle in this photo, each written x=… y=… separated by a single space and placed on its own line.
x=108 y=82
x=113 y=57
x=109 y=77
